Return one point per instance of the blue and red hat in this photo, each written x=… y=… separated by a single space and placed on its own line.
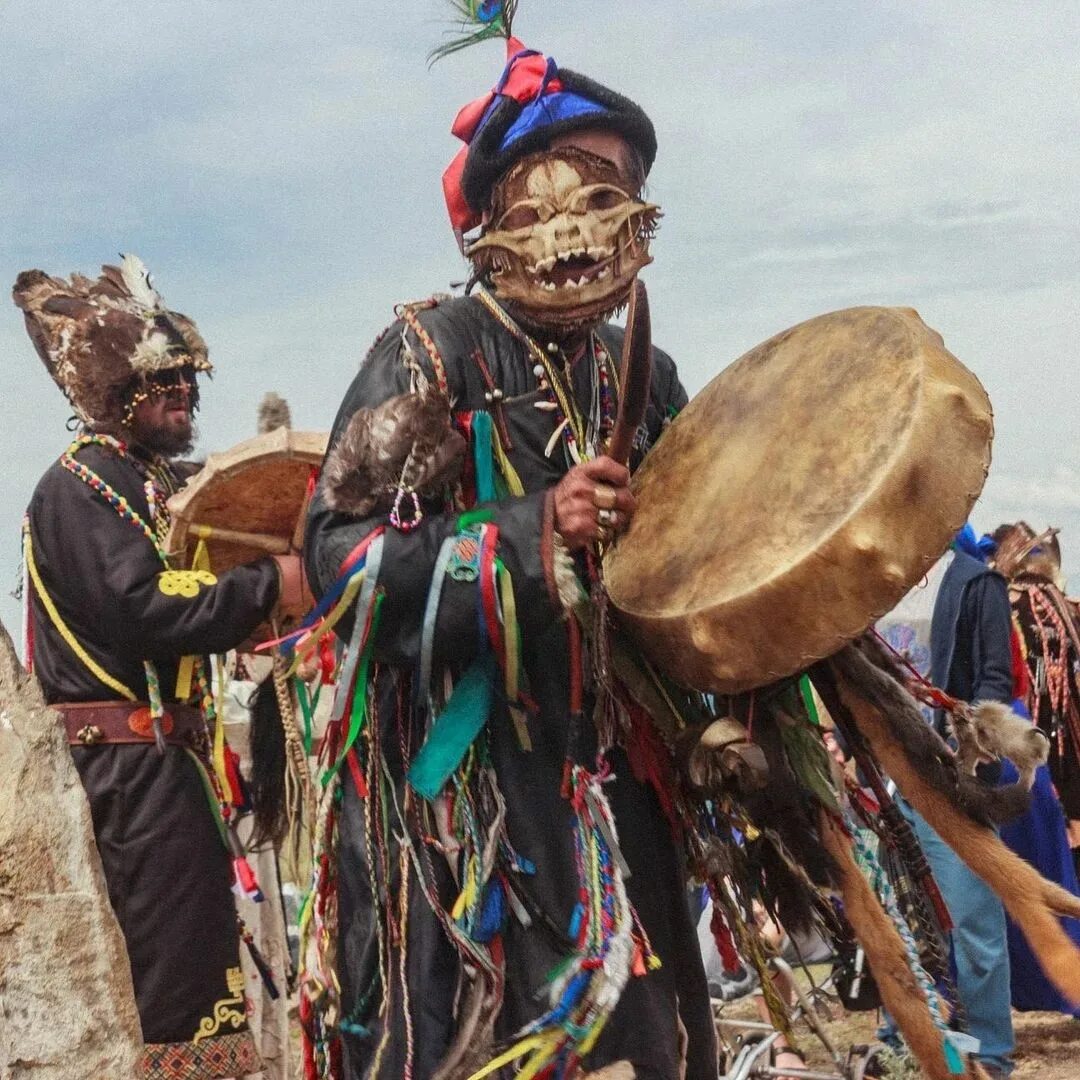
x=533 y=102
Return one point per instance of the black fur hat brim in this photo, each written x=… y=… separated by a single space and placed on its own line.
x=487 y=160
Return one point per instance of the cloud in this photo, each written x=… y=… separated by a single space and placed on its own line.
x=1058 y=492
x=278 y=166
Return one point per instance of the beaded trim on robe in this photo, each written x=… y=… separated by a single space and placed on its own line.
x=215 y=1058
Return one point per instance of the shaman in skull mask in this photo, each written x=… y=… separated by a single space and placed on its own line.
x=566 y=238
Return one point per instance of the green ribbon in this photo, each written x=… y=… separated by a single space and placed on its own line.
x=480 y=515
x=307 y=708
x=483 y=458
x=455 y=729
x=359 y=702
x=808 y=699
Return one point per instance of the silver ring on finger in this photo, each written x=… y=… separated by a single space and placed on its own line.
x=605 y=517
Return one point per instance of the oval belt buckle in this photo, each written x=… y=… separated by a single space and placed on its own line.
x=142 y=723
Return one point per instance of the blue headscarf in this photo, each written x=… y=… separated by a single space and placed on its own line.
x=980 y=548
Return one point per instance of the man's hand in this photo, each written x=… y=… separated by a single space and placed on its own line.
x=294 y=599
x=593 y=502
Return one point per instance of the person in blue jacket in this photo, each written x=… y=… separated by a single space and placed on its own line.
x=968 y=655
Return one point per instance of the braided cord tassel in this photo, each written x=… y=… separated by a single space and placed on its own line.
x=954 y=1042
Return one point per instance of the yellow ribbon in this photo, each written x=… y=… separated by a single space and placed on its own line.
x=511 y=636
x=307 y=646
x=219 y=738
x=590 y=1040
x=468 y=891
x=543 y=1043
x=199 y=561
x=64 y=631
x=513 y=481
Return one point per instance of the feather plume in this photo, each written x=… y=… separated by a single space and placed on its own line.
x=95 y=337
x=411 y=432
x=478 y=20
x=138 y=283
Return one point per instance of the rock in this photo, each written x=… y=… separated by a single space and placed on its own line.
x=67 y=1008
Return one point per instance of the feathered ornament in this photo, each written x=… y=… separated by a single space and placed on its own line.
x=99 y=339
x=409 y=442
x=479 y=20
x=139 y=284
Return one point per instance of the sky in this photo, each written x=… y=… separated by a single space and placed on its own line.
x=277 y=165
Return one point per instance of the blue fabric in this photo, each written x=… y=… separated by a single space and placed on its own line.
x=979 y=954
x=1040 y=838
x=980 y=548
x=546 y=110
x=971 y=634
x=971 y=658
x=966 y=541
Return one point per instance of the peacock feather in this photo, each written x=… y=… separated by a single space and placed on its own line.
x=478 y=20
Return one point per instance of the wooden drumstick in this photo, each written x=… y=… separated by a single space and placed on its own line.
x=274 y=545
x=635 y=376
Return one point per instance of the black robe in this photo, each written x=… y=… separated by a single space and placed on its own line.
x=167 y=871
x=645 y=1027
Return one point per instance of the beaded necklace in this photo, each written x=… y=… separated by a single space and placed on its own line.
x=582 y=438
x=222 y=793
x=155 y=486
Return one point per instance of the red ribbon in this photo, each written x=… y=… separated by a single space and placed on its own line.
x=487 y=590
x=522 y=80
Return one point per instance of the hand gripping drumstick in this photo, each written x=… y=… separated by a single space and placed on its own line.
x=635 y=375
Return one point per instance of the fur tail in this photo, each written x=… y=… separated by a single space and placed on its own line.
x=900 y=991
x=864 y=693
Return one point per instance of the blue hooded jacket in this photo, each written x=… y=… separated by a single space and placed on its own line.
x=970 y=635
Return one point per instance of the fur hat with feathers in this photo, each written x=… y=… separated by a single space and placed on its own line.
x=100 y=339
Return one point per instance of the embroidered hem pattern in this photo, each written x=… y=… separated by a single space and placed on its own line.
x=214 y=1058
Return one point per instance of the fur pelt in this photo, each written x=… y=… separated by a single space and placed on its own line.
x=866 y=668
x=985 y=731
x=274 y=413
x=408 y=441
x=786 y=810
x=989 y=730
x=885 y=952
x=99 y=339
x=865 y=696
x=268 y=762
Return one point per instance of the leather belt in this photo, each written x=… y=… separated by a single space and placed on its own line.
x=96 y=723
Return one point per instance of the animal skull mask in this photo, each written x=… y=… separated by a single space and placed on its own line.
x=567 y=238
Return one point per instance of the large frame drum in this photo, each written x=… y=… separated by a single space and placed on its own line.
x=798 y=497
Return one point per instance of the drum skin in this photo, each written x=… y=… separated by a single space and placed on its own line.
x=257 y=486
x=798 y=497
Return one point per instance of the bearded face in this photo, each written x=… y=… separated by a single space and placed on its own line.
x=566 y=238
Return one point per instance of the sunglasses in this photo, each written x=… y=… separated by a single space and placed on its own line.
x=173 y=378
